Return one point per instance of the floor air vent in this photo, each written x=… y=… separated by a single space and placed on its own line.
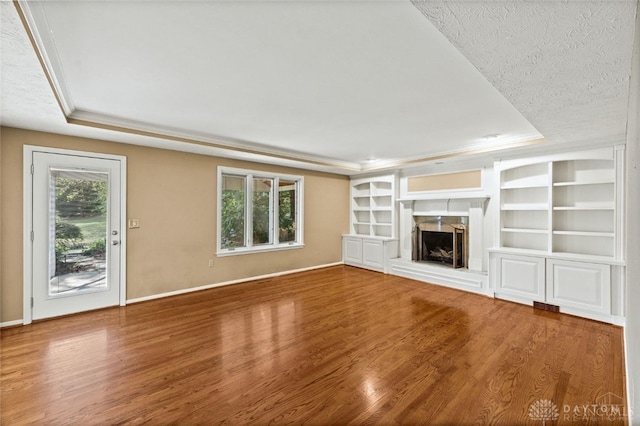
x=546 y=307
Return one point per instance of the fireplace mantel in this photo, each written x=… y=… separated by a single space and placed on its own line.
x=471 y=196
x=444 y=203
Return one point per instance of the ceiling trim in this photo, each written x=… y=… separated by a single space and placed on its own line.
x=454 y=154
x=27 y=23
x=211 y=144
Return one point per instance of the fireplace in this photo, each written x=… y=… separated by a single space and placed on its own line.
x=441 y=240
x=440 y=215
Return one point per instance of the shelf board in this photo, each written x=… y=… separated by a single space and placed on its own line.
x=525 y=230
x=525 y=206
x=588 y=257
x=522 y=251
x=525 y=186
x=571 y=208
x=585 y=182
x=381 y=224
x=381 y=184
x=585 y=233
x=611 y=260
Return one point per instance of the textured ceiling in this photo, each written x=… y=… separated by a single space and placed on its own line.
x=27 y=99
x=565 y=65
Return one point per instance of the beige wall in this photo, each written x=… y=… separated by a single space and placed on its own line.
x=460 y=180
x=173 y=194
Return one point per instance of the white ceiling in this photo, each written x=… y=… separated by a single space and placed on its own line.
x=343 y=86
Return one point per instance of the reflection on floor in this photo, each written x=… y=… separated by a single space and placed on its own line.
x=338 y=345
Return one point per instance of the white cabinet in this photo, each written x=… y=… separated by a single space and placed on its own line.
x=579 y=288
x=520 y=276
x=373 y=253
x=579 y=285
x=560 y=232
x=369 y=252
x=352 y=250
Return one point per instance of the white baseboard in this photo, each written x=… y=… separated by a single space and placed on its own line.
x=220 y=284
x=608 y=318
x=11 y=323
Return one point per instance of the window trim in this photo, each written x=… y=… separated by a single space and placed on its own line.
x=275 y=245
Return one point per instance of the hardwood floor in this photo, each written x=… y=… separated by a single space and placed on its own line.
x=331 y=346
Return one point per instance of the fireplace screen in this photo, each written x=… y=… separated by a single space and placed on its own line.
x=442 y=243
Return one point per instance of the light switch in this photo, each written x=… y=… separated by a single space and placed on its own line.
x=134 y=223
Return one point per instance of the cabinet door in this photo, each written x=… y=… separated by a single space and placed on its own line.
x=373 y=253
x=521 y=276
x=579 y=285
x=352 y=250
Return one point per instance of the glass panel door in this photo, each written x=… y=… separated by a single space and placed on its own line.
x=76 y=252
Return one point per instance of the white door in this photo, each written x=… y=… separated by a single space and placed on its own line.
x=76 y=239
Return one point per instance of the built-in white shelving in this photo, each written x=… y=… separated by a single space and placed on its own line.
x=560 y=232
x=371 y=241
x=372 y=206
x=569 y=201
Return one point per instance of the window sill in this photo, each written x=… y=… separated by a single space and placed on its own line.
x=259 y=249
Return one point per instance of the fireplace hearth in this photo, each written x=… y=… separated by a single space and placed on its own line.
x=441 y=241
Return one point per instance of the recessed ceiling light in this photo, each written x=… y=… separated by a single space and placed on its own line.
x=492 y=136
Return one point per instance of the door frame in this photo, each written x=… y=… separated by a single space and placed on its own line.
x=27 y=221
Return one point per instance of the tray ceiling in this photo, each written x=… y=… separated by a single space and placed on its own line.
x=343 y=86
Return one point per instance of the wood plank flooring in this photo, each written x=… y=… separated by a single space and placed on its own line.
x=332 y=346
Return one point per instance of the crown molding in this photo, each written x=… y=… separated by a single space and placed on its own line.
x=105 y=122
x=467 y=153
x=46 y=52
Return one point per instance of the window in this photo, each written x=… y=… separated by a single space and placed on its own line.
x=258 y=211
